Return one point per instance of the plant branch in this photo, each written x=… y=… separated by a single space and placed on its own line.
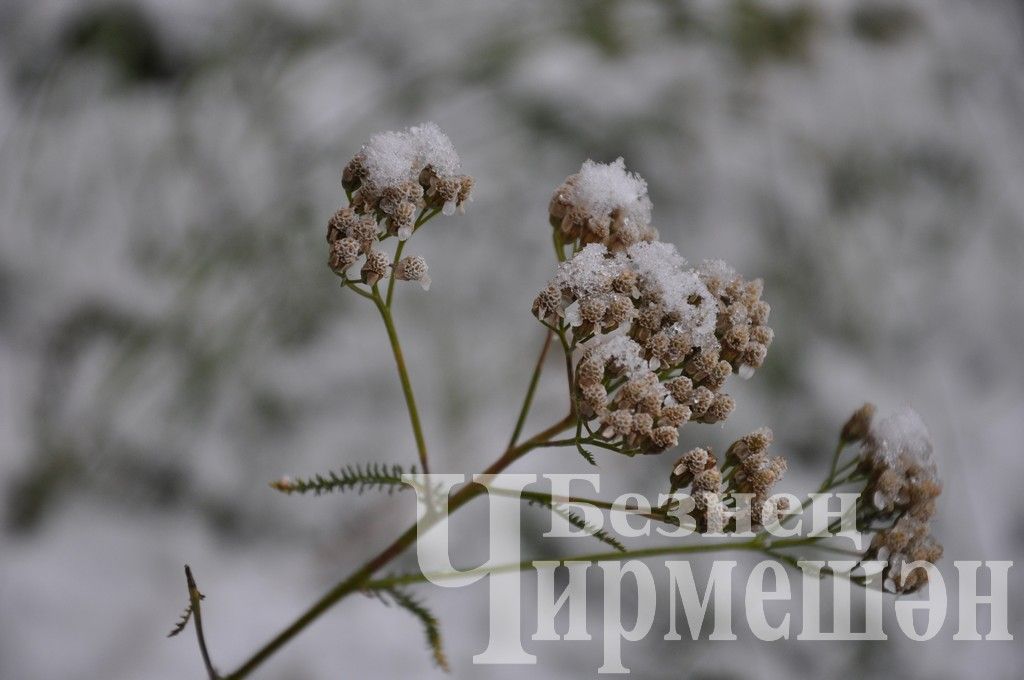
x=194 y=597
x=534 y=379
x=361 y=576
x=403 y=376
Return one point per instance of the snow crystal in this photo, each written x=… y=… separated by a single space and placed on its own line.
x=625 y=352
x=601 y=188
x=664 y=269
x=718 y=269
x=435 y=149
x=902 y=433
x=398 y=156
x=589 y=270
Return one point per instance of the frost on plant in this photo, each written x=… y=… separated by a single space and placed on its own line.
x=649 y=343
x=603 y=203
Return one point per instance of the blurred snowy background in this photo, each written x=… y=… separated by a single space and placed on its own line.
x=171 y=339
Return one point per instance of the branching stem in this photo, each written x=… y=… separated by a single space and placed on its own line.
x=361 y=576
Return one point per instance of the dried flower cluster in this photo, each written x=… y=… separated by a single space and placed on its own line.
x=900 y=493
x=393 y=183
x=659 y=337
x=603 y=203
x=747 y=469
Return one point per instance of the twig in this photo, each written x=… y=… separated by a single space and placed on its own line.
x=194 y=597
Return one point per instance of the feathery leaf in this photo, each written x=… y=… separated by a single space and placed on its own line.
x=372 y=476
x=431 y=626
x=587 y=455
x=577 y=521
x=182 y=621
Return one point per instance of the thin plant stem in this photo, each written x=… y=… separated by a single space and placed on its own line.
x=749 y=545
x=835 y=463
x=353 y=286
x=425 y=216
x=194 y=598
x=391 y=280
x=358 y=579
x=531 y=390
x=403 y=376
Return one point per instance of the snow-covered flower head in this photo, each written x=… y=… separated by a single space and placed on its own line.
x=397 y=181
x=603 y=203
x=397 y=173
x=900 y=494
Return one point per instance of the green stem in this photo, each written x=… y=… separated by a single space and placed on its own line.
x=835 y=462
x=358 y=579
x=391 y=280
x=403 y=376
x=353 y=285
x=552 y=499
x=425 y=216
x=405 y=579
x=528 y=400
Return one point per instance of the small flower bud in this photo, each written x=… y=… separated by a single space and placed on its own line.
x=681 y=389
x=719 y=410
x=859 y=425
x=365 y=232
x=592 y=309
x=402 y=220
x=590 y=371
x=621 y=421
x=664 y=437
x=642 y=424
x=376 y=267
x=344 y=253
x=675 y=415
x=701 y=401
x=340 y=224
x=413 y=268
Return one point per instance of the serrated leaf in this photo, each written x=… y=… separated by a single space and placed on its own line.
x=360 y=478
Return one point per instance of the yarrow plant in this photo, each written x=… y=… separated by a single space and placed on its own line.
x=649 y=343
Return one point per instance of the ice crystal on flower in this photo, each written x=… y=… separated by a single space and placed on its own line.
x=680 y=289
x=433 y=148
x=901 y=434
x=625 y=353
x=603 y=188
x=589 y=271
x=391 y=158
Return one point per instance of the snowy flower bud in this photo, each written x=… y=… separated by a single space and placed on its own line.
x=762 y=335
x=592 y=310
